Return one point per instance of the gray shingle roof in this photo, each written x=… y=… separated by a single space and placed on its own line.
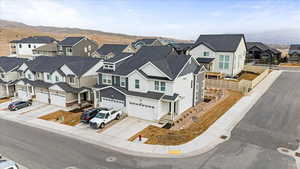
x=182 y=46
x=9 y=63
x=171 y=98
x=69 y=89
x=294 y=48
x=261 y=46
x=36 y=83
x=35 y=39
x=78 y=64
x=111 y=48
x=70 y=41
x=220 y=42
x=205 y=60
x=163 y=57
x=118 y=57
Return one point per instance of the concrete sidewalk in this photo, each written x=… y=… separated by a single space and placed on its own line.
x=203 y=143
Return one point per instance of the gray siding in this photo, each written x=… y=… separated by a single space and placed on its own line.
x=199 y=86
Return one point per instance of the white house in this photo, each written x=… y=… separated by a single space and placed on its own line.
x=58 y=80
x=226 y=51
x=23 y=48
x=153 y=83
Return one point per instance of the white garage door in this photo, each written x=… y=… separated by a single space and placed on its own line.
x=42 y=97
x=142 y=111
x=22 y=94
x=112 y=103
x=58 y=100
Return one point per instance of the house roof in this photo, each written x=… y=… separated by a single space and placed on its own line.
x=51 y=47
x=36 y=83
x=163 y=57
x=35 y=39
x=118 y=57
x=261 y=46
x=105 y=49
x=220 y=42
x=171 y=98
x=181 y=46
x=205 y=60
x=71 y=41
x=69 y=89
x=9 y=63
x=294 y=48
x=78 y=64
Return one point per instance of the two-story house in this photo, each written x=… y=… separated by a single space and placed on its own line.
x=77 y=46
x=259 y=52
x=59 y=80
x=24 y=47
x=107 y=51
x=227 y=52
x=9 y=75
x=153 y=83
x=294 y=53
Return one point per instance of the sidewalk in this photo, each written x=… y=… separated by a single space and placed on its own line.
x=203 y=143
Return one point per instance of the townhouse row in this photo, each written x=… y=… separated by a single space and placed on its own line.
x=147 y=79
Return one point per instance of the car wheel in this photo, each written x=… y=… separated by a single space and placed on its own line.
x=118 y=117
x=102 y=125
x=16 y=109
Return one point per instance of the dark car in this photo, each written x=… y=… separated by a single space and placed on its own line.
x=18 y=105
x=89 y=114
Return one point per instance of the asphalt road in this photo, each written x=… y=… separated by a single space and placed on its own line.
x=273 y=122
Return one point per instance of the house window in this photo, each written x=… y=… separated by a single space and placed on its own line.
x=137 y=84
x=122 y=82
x=85 y=49
x=159 y=86
x=224 y=62
x=72 y=80
x=56 y=78
x=20 y=45
x=29 y=46
x=106 y=79
x=29 y=76
x=90 y=47
x=48 y=77
x=2 y=76
x=205 y=53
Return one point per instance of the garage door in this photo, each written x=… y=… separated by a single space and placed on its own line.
x=112 y=103
x=59 y=100
x=146 y=111
x=22 y=94
x=42 y=97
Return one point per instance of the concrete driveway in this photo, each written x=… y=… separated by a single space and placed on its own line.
x=127 y=128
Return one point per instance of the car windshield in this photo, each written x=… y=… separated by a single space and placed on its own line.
x=100 y=115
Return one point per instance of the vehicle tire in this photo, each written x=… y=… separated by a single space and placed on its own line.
x=118 y=117
x=102 y=125
x=16 y=109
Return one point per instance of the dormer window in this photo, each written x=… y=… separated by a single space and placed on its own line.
x=109 y=66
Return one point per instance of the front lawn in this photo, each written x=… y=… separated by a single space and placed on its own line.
x=63 y=117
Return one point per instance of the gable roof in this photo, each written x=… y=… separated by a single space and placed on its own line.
x=69 y=89
x=51 y=47
x=9 y=63
x=105 y=49
x=294 y=49
x=261 y=46
x=118 y=57
x=35 y=39
x=78 y=64
x=220 y=42
x=163 y=57
x=71 y=41
x=181 y=46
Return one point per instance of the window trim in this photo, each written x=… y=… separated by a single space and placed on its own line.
x=106 y=79
x=122 y=80
x=137 y=84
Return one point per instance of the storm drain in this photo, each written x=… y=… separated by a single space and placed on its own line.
x=111 y=159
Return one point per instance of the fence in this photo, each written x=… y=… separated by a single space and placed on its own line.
x=243 y=86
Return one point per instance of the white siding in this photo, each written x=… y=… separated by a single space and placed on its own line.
x=144 y=85
x=66 y=70
x=93 y=70
x=151 y=70
x=25 y=50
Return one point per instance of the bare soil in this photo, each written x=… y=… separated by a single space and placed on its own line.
x=63 y=117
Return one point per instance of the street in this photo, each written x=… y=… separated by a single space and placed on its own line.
x=273 y=122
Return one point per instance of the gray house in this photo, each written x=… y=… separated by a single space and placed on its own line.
x=107 y=51
x=262 y=53
x=77 y=46
x=294 y=53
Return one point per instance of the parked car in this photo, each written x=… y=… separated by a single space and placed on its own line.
x=104 y=117
x=89 y=114
x=18 y=105
x=7 y=164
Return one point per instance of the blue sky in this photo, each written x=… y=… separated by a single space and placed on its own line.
x=173 y=18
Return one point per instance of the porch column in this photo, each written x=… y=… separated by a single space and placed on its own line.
x=79 y=100
x=95 y=98
x=172 y=111
x=27 y=90
x=7 y=90
x=88 y=95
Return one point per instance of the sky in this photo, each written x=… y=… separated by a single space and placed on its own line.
x=183 y=19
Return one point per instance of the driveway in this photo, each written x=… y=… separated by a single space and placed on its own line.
x=127 y=127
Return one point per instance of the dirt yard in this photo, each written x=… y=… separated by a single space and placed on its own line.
x=5 y=100
x=160 y=136
x=63 y=117
x=248 y=76
x=289 y=64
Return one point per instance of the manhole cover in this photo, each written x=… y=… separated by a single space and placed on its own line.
x=111 y=159
x=194 y=119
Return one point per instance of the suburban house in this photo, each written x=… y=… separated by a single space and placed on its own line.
x=227 y=52
x=50 y=49
x=152 y=84
x=24 y=47
x=58 y=80
x=77 y=46
x=294 y=53
x=262 y=53
x=136 y=45
x=107 y=51
x=9 y=74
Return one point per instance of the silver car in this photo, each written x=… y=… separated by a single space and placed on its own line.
x=7 y=164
